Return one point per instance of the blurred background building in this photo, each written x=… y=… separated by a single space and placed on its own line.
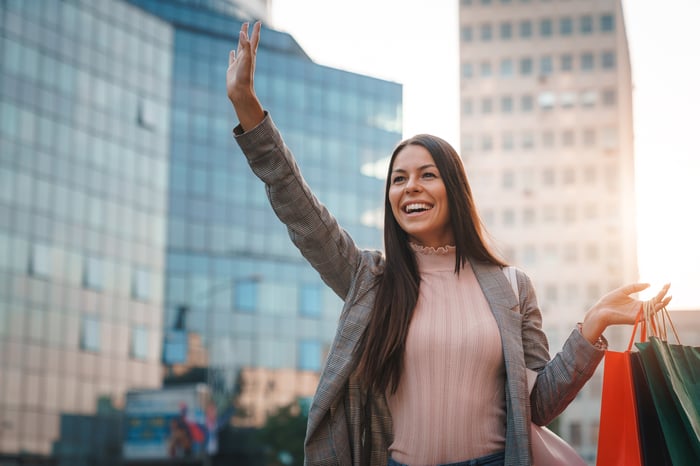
x=546 y=133
x=135 y=244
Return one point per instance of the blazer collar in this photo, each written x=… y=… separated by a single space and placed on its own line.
x=499 y=294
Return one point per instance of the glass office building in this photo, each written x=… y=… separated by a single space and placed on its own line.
x=84 y=149
x=265 y=317
x=124 y=200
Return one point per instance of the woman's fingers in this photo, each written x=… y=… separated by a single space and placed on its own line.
x=634 y=288
x=255 y=36
x=242 y=39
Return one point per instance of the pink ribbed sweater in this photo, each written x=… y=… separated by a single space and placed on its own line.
x=450 y=403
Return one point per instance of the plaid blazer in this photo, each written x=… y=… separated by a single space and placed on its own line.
x=336 y=434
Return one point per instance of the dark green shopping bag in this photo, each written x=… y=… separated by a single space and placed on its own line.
x=673 y=373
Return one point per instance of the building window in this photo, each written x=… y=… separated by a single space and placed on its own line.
x=588 y=98
x=608 y=97
x=566 y=26
x=40 y=261
x=548 y=177
x=526 y=103
x=589 y=175
x=528 y=216
x=93 y=274
x=508 y=216
x=526 y=66
x=546 y=27
x=570 y=253
x=486 y=105
x=245 y=296
x=139 y=342
x=467 y=33
x=486 y=143
x=506 y=67
x=467 y=70
x=467 y=143
x=569 y=176
x=486 y=32
x=90 y=334
x=592 y=254
x=587 y=61
x=508 y=141
x=586 y=24
x=548 y=139
x=486 y=70
x=309 y=355
x=608 y=60
x=567 y=62
x=528 y=140
x=575 y=434
x=567 y=99
x=310 y=300
x=506 y=31
x=549 y=215
x=546 y=66
x=589 y=137
x=607 y=23
x=141 y=285
x=467 y=107
x=465 y=2
x=569 y=214
x=508 y=180
x=567 y=138
x=546 y=100
x=525 y=29
x=609 y=138
x=507 y=104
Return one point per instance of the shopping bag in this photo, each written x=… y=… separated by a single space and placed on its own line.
x=654 y=451
x=618 y=438
x=672 y=375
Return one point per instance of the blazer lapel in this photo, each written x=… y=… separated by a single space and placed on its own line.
x=505 y=309
x=499 y=295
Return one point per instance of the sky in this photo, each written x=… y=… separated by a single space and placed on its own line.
x=415 y=43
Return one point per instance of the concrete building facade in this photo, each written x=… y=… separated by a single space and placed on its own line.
x=546 y=135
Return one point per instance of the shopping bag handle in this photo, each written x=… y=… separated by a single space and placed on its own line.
x=647 y=320
x=640 y=322
x=661 y=330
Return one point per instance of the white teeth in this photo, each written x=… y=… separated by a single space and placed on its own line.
x=415 y=207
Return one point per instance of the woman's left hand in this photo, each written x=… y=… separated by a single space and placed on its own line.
x=618 y=308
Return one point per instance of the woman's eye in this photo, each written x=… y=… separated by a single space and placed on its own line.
x=398 y=179
x=429 y=175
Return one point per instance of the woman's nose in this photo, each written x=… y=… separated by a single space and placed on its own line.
x=412 y=184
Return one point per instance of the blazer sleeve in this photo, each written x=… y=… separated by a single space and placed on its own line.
x=559 y=379
x=315 y=232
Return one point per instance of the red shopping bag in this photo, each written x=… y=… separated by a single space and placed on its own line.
x=618 y=436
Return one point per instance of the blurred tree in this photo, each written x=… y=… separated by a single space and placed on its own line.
x=283 y=436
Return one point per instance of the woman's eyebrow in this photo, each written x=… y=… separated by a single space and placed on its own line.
x=422 y=167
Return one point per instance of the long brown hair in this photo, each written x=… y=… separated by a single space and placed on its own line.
x=380 y=351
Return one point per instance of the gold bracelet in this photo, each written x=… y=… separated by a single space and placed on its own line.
x=601 y=343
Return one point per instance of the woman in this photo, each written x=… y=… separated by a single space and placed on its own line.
x=430 y=361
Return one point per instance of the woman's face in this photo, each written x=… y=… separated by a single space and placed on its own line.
x=418 y=198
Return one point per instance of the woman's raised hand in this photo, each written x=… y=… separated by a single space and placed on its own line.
x=240 y=78
x=618 y=307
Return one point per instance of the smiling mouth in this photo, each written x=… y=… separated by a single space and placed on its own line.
x=416 y=207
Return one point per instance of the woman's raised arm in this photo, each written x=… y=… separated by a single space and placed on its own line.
x=240 y=76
